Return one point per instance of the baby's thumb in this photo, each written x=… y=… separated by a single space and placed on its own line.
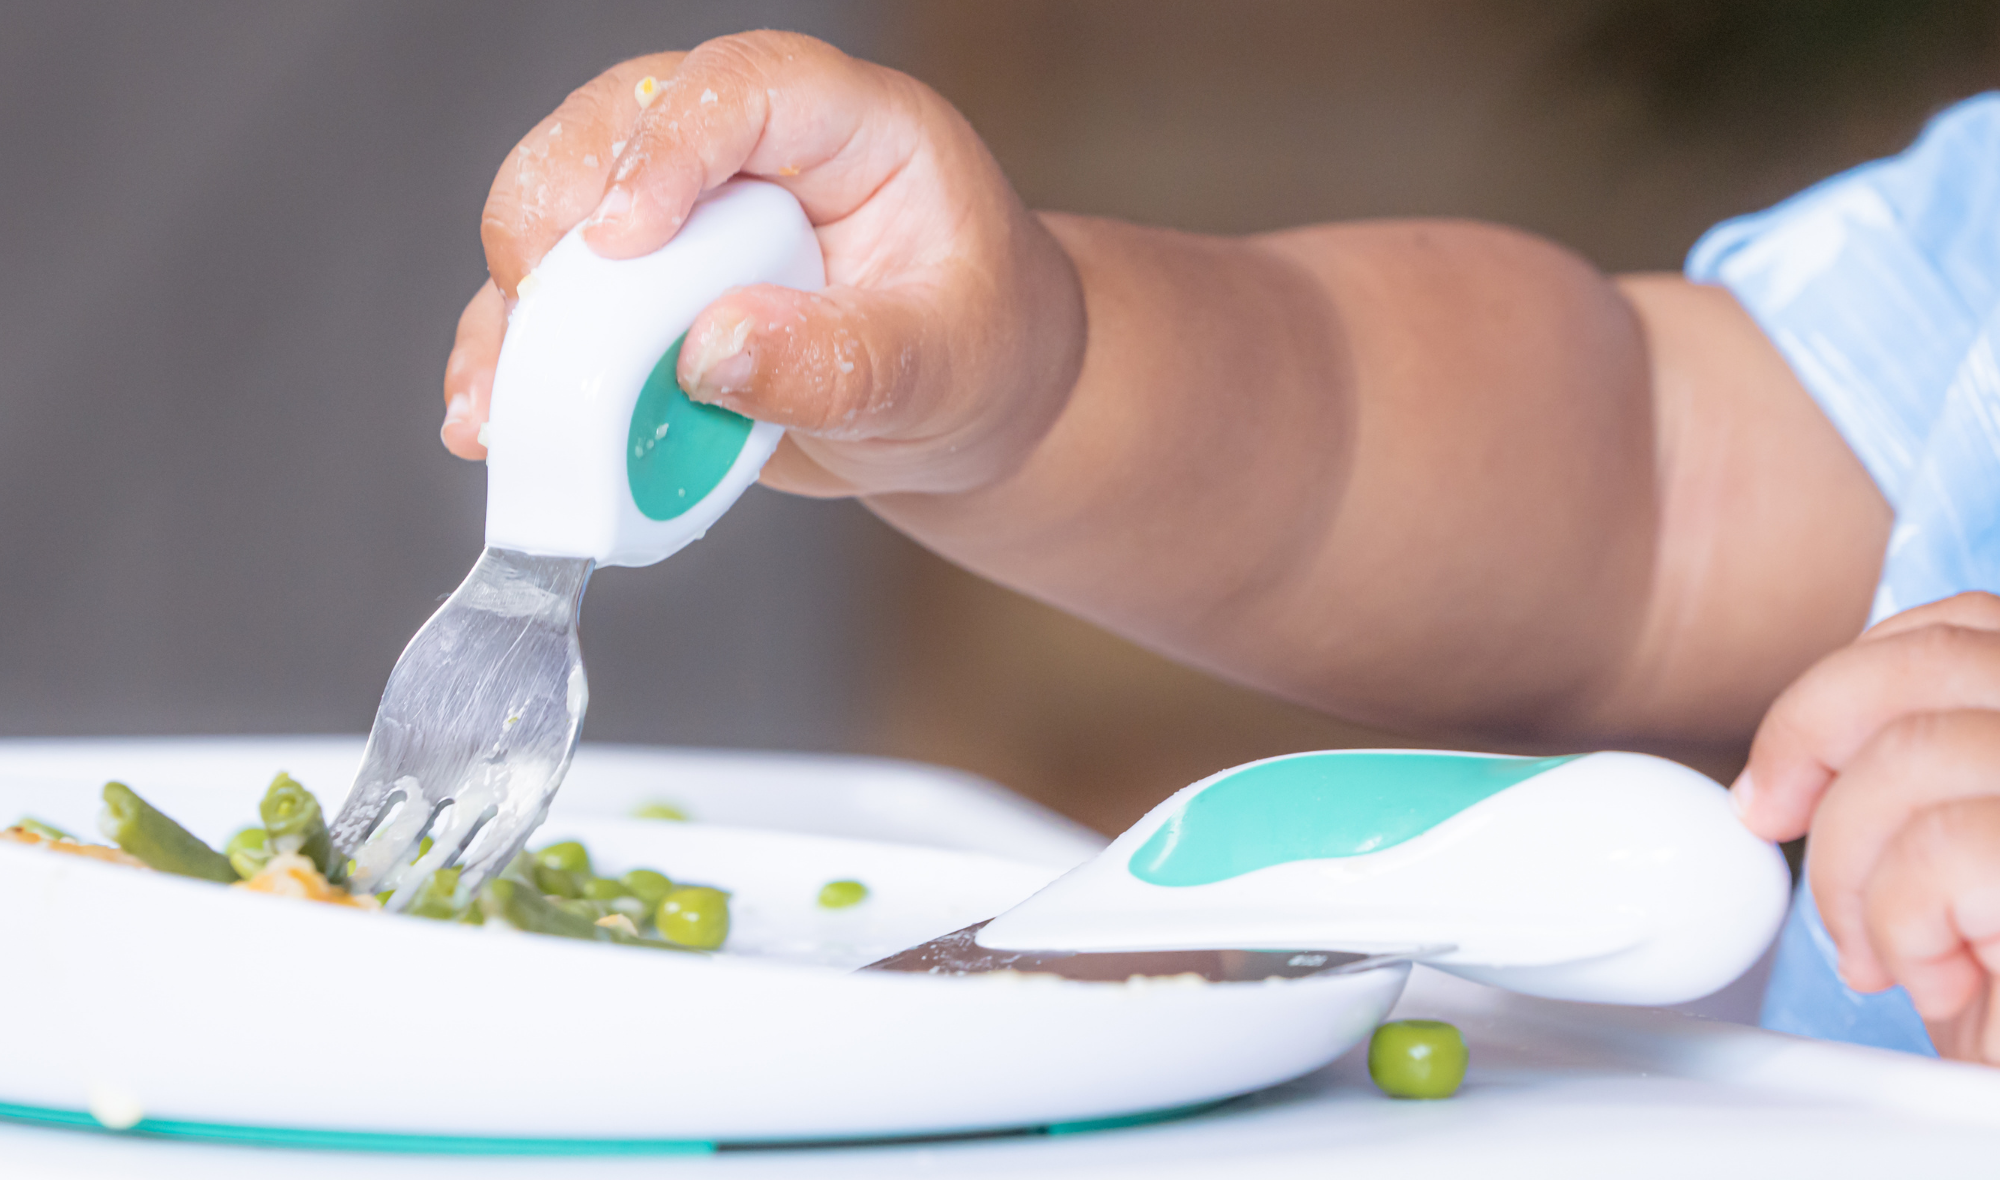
x=838 y=364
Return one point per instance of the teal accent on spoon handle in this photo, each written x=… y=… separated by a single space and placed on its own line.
x=1334 y=803
x=678 y=450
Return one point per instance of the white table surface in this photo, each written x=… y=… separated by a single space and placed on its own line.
x=1555 y=1089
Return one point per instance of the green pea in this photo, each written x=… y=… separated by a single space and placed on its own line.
x=838 y=895
x=568 y=855
x=248 y=851
x=604 y=889
x=659 y=811
x=557 y=882
x=647 y=885
x=45 y=831
x=694 y=916
x=1417 y=1059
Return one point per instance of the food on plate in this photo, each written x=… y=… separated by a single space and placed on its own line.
x=144 y=831
x=21 y=833
x=294 y=823
x=551 y=890
x=1417 y=1059
x=658 y=810
x=29 y=823
x=693 y=916
x=248 y=851
x=838 y=895
x=289 y=874
x=648 y=886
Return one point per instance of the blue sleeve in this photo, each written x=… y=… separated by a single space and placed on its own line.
x=1881 y=288
x=1874 y=284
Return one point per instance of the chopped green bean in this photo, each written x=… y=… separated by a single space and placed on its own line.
x=604 y=889
x=45 y=831
x=522 y=908
x=665 y=811
x=694 y=916
x=293 y=822
x=589 y=911
x=557 y=882
x=249 y=850
x=521 y=868
x=435 y=897
x=838 y=895
x=647 y=885
x=140 y=829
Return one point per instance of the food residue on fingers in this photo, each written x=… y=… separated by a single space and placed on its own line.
x=647 y=92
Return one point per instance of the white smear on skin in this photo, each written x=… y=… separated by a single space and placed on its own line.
x=707 y=96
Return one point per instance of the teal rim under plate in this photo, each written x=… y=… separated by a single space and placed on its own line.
x=393 y=1143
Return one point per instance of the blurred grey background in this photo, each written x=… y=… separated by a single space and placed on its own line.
x=235 y=237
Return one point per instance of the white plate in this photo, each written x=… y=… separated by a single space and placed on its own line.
x=220 y=1013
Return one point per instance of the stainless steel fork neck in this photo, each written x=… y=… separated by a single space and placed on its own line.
x=514 y=584
x=475 y=730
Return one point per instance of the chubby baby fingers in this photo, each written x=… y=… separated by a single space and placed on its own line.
x=1829 y=715
x=777 y=105
x=1911 y=765
x=468 y=372
x=559 y=171
x=1974 y=609
x=1933 y=911
x=844 y=365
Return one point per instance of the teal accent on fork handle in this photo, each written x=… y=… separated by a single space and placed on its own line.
x=1334 y=803
x=677 y=450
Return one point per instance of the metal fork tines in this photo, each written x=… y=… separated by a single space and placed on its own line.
x=475 y=731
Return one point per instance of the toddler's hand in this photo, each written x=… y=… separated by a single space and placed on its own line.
x=951 y=328
x=1888 y=751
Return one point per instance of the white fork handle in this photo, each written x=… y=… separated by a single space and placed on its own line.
x=592 y=449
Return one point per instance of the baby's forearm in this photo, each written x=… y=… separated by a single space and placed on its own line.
x=1438 y=476
x=1411 y=473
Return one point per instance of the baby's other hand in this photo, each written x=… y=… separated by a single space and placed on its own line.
x=951 y=328
x=1888 y=752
